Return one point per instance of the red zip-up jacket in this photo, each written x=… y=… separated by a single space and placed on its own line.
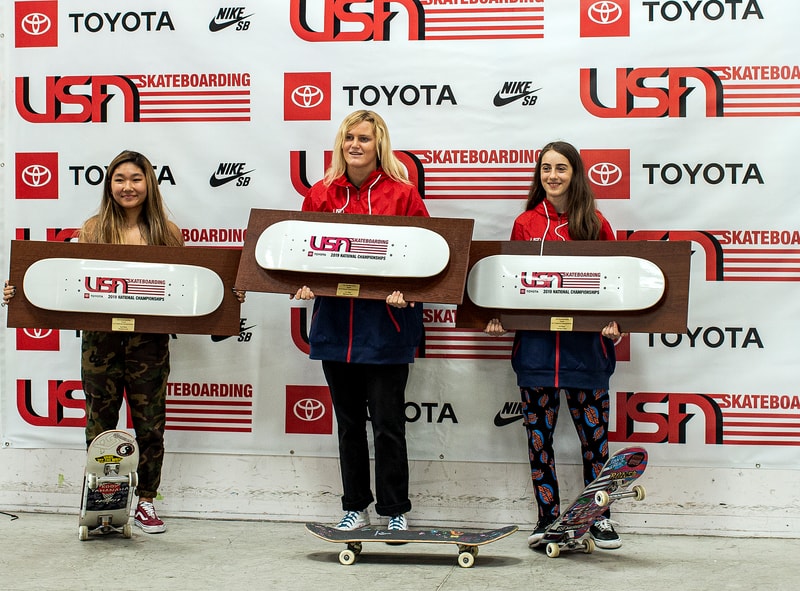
x=554 y=358
x=355 y=330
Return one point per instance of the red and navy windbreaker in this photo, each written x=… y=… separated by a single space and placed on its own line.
x=355 y=330
x=553 y=358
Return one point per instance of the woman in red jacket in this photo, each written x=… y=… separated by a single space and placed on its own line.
x=366 y=345
x=561 y=206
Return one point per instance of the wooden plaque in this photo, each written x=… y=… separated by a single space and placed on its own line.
x=447 y=287
x=669 y=315
x=224 y=262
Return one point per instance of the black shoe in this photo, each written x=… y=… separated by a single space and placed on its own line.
x=604 y=535
x=536 y=536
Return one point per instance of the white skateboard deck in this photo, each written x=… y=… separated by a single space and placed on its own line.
x=122 y=287
x=352 y=249
x=593 y=283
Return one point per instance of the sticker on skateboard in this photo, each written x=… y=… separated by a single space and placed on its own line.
x=467 y=542
x=352 y=249
x=108 y=485
x=568 y=532
x=122 y=287
x=531 y=282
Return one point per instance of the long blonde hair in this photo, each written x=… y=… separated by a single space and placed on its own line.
x=386 y=158
x=109 y=224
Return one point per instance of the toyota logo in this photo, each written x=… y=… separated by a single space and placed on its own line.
x=605 y=174
x=307 y=96
x=36 y=23
x=36 y=175
x=605 y=13
x=37 y=333
x=309 y=409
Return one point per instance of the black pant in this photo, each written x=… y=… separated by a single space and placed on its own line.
x=380 y=389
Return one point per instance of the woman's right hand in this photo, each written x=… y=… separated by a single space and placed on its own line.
x=494 y=328
x=304 y=293
x=9 y=291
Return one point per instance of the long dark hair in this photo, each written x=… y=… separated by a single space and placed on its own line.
x=108 y=225
x=583 y=223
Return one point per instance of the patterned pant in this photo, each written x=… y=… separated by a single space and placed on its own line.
x=137 y=365
x=589 y=411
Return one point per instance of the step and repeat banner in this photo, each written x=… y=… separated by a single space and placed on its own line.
x=686 y=114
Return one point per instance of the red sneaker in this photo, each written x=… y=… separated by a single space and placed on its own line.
x=146 y=518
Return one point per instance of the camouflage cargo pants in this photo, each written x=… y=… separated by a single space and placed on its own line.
x=136 y=365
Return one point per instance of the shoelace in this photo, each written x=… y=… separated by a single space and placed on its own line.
x=349 y=519
x=604 y=525
x=148 y=509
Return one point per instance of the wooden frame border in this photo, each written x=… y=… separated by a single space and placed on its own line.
x=224 y=262
x=669 y=315
x=446 y=287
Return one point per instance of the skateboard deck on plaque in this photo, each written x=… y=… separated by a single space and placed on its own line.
x=109 y=482
x=467 y=542
x=352 y=249
x=122 y=287
x=621 y=469
x=532 y=282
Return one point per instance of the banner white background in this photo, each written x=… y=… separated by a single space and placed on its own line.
x=686 y=112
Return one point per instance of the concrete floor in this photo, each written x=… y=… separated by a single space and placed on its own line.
x=41 y=552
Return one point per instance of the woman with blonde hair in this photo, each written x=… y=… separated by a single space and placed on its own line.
x=366 y=346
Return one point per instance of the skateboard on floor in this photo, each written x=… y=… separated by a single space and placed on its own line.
x=569 y=531
x=467 y=542
x=109 y=482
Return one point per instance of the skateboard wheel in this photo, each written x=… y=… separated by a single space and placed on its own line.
x=588 y=546
x=83 y=533
x=552 y=550
x=602 y=498
x=639 y=493
x=347 y=557
x=133 y=479
x=126 y=530
x=91 y=480
x=466 y=559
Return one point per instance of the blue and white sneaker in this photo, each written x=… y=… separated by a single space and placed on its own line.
x=353 y=520
x=398 y=523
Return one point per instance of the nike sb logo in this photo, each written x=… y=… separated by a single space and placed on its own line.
x=510 y=413
x=230 y=16
x=230 y=171
x=514 y=91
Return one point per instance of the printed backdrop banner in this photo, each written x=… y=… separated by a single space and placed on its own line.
x=685 y=130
